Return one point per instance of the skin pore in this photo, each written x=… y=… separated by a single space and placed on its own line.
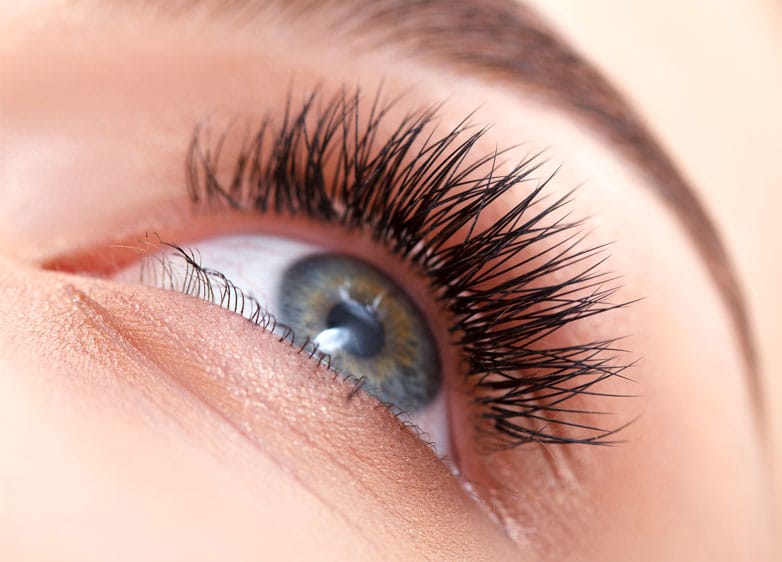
x=133 y=427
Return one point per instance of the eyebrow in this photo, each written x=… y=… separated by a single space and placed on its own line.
x=506 y=42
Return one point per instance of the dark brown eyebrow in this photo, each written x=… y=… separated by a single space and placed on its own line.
x=503 y=41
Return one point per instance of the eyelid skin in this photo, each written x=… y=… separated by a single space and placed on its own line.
x=220 y=381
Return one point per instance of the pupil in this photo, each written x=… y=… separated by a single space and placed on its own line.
x=362 y=331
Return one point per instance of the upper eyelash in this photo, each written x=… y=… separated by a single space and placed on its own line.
x=413 y=193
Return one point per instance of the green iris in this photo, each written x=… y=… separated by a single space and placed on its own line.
x=368 y=325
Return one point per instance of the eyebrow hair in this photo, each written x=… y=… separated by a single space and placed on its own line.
x=506 y=42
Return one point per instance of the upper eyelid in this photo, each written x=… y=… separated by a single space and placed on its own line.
x=494 y=39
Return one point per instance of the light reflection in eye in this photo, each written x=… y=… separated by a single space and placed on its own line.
x=325 y=303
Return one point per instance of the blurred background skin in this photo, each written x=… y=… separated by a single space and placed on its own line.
x=707 y=78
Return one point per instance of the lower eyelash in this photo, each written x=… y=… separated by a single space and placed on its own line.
x=413 y=194
x=213 y=286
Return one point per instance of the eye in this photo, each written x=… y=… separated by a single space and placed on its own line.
x=446 y=282
x=334 y=306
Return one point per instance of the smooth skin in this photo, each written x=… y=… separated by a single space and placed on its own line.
x=131 y=427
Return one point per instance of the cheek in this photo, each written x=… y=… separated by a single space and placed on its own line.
x=165 y=410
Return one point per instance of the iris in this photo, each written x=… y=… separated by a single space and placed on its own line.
x=367 y=324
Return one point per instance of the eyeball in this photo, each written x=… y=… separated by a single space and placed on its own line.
x=327 y=303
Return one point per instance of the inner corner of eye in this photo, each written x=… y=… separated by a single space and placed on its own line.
x=343 y=310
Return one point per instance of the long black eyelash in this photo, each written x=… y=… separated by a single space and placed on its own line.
x=421 y=196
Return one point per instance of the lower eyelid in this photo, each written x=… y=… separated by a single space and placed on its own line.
x=246 y=274
x=122 y=349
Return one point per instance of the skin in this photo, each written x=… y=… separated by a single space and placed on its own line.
x=132 y=427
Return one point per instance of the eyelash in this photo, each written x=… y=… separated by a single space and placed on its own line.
x=413 y=194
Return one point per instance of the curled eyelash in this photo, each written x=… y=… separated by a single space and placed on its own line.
x=421 y=197
x=192 y=278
